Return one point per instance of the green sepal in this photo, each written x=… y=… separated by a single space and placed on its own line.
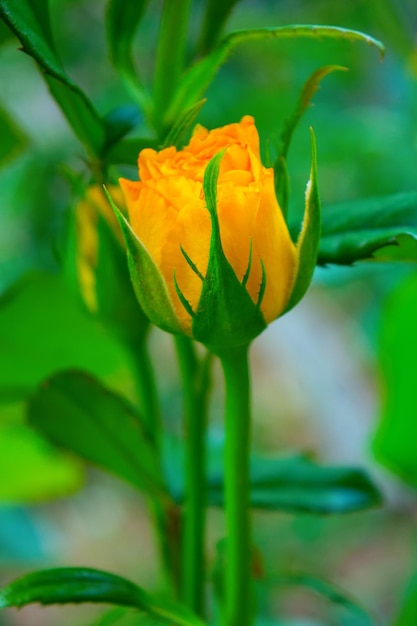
x=226 y=315
x=148 y=283
x=309 y=238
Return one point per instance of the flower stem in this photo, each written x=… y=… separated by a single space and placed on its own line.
x=238 y=596
x=163 y=512
x=148 y=400
x=195 y=410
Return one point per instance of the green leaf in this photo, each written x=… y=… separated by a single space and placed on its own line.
x=79 y=111
x=22 y=18
x=28 y=21
x=128 y=617
x=280 y=168
x=118 y=306
x=309 y=238
x=215 y=16
x=127 y=150
x=41 y=10
x=358 y=616
x=396 y=435
x=119 y=122
x=74 y=411
x=199 y=76
x=407 y=614
x=170 y=60
x=96 y=266
x=82 y=584
x=74 y=585
x=123 y=18
x=182 y=124
x=122 y=21
x=13 y=140
x=383 y=228
x=32 y=470
x=43 y=329
x=148 y=283
x=5 y=33
x=296 y=484
x=291 y=484
x=226 y=314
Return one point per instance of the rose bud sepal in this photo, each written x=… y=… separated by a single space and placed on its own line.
x=149 y=285
x=308 y=241
x=226 y=315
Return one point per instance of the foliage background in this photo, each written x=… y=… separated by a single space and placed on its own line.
x=324 y=376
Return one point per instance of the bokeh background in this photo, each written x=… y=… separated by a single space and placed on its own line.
x=336 y=378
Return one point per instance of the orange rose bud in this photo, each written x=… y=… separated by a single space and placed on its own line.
x=209 y=250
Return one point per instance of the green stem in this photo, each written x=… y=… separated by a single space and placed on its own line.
x=195 y=477
x=170 y=55
x=147 y=393
x=238 y=595
x=163 y=512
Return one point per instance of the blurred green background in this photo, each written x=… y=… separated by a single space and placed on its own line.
x=335 y=378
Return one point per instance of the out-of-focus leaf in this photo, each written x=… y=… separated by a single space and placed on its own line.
x=129 y=617
x=20 y=540
x=293 y=484
x=23 y=17
x=280 y=168
x=122 y=21
x=408 y=611
x=382 y=228
x=215 y=16
x=119 y=122
x=75 y=585
x=395 y=441
x=183 y=123
x=97 y=268
x=13 y=140
x=297 y=484
x=127 y=150
x=74 y=411
x=5 y=33
x=123 y=18
x=31 y=470
x=40 y=9
x=170 y=61
x=42 y=330
x=199 y=76
x=358 y=616
x=79 y=111
x=82 y=584
x=267 y=621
